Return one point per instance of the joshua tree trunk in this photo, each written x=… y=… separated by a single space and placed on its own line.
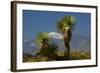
x=67 y=39
x=67 y=51
x=44 y=49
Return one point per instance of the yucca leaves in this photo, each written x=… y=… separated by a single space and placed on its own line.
x=42 y=38
x=67 y=21
x=46 y=49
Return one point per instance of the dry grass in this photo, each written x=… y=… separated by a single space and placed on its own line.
x=73 y=56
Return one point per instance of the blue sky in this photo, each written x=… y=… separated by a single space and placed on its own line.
x=45 y=21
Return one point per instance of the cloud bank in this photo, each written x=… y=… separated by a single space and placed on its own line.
x=55 y=35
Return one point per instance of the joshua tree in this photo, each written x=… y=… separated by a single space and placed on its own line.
x=42 y=40
x=65 y=26
x=47 y=49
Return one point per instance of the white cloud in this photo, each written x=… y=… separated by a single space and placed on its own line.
x=31 y=44
x=55 y=35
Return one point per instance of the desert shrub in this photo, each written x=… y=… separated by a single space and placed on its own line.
x=48 y=52
x=79 y=55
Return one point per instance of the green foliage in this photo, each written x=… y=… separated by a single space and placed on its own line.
x=49 y=52
x=47 y=49
x=42 y=37
x=67 y=21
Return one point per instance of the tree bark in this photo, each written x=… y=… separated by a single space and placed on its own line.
x=67 y=40
x=67 y=51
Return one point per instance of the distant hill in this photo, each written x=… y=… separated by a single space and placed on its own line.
x=81 y=43
x=78 y=43
x=30 y=47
